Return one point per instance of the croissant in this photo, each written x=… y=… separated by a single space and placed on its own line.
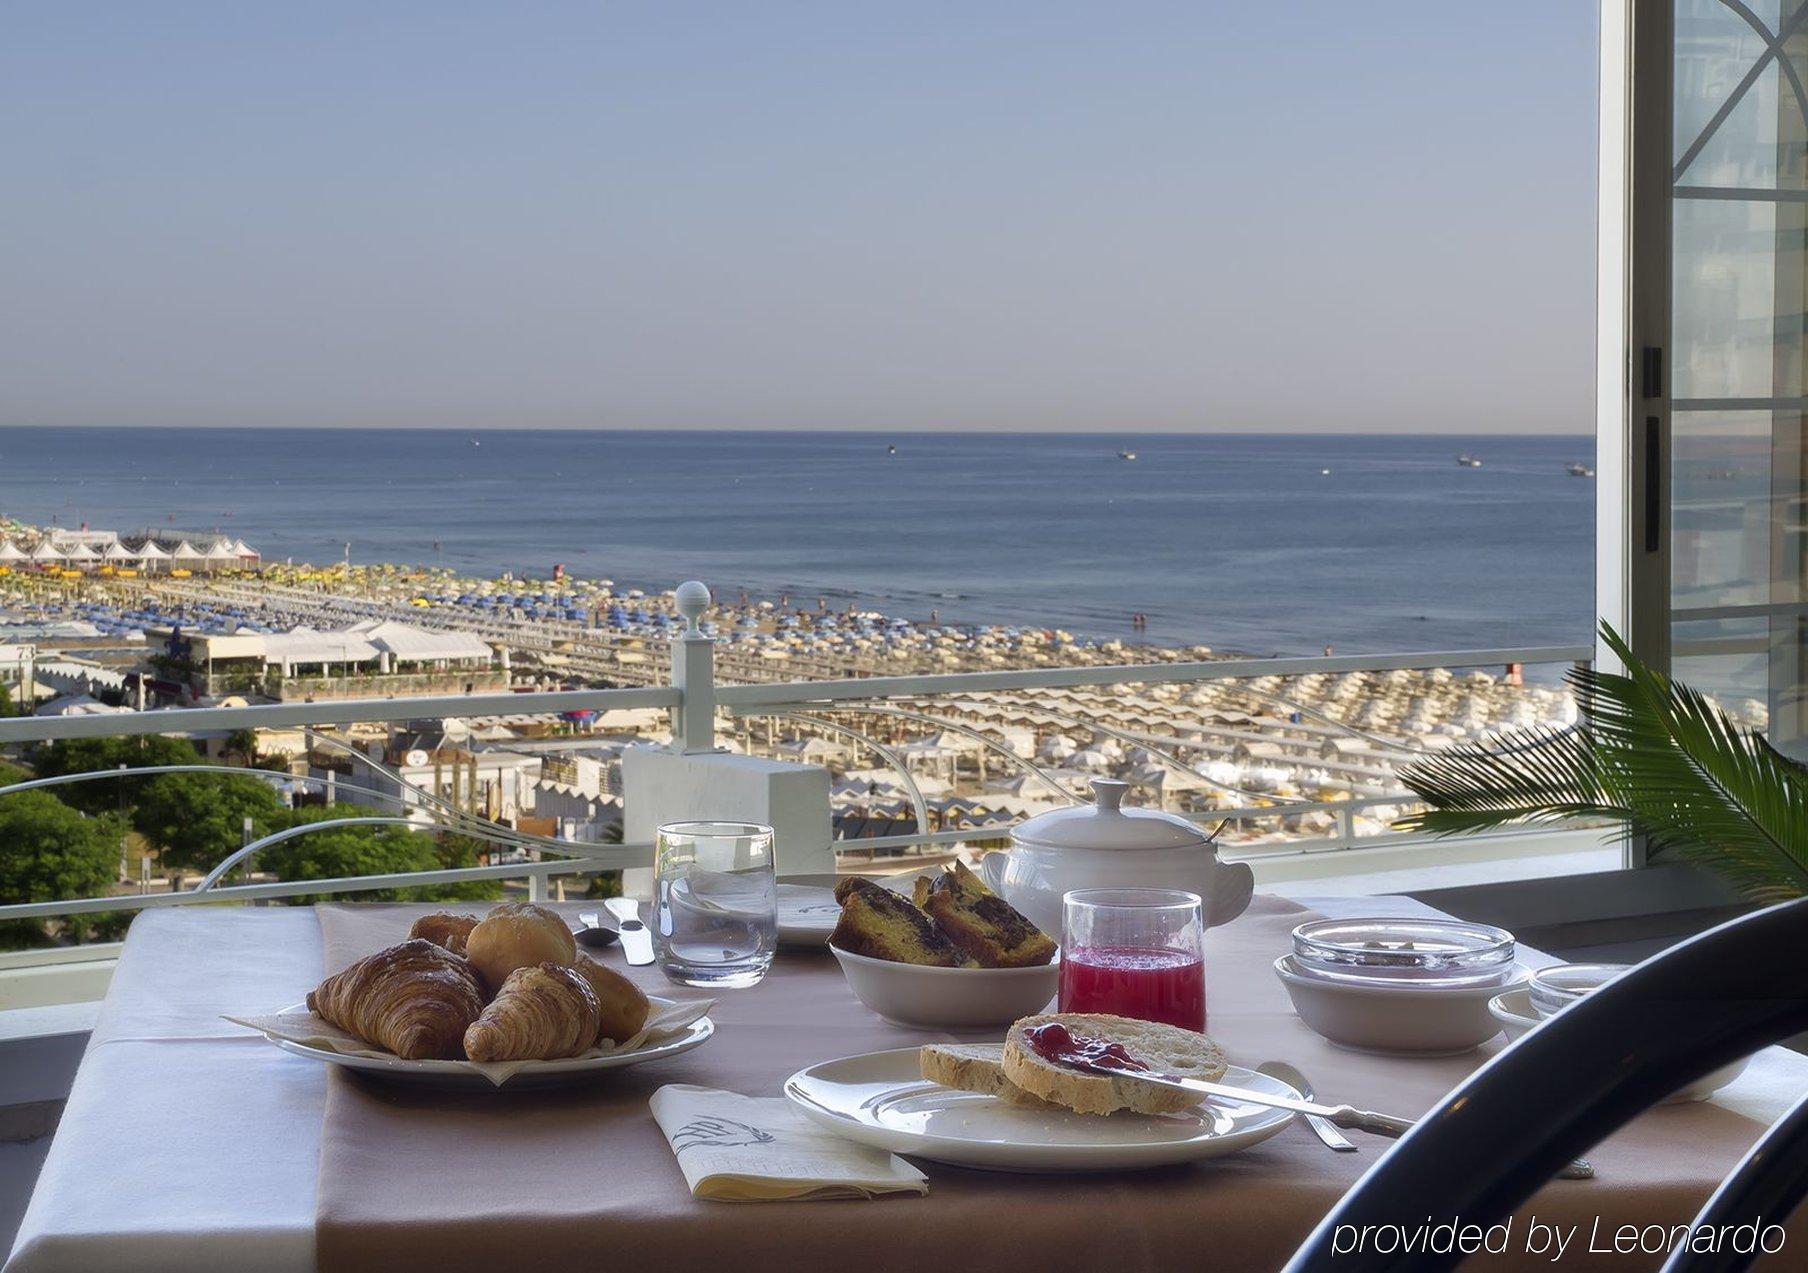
x=415 y=999
x=443 y=928
x=542 y=1013
x=624 y=1005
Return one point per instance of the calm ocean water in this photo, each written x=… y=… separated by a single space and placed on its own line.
x=1236 y=541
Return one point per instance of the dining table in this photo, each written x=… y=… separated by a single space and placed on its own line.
x=190 y=1144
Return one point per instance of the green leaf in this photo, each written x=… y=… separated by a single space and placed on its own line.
x=1650 y=753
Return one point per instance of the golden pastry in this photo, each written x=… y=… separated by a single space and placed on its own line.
x=541 y=1013
x=518 y=935
x=624 y=1006
x=416 y=999
x=443 y=928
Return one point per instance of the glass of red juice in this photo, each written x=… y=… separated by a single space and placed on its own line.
x=1134 y=952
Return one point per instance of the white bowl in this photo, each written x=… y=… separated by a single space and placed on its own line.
x=1411 y=1020
x=1516 y=1015
x=948 y=998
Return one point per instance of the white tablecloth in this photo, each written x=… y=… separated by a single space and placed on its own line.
x=190 y=1145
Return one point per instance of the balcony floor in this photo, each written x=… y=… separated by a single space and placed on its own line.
x=20 y=1162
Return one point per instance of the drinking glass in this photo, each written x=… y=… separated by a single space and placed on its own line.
x=715 y=903
x=1134 y=952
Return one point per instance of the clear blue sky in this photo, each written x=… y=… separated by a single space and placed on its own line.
x=1050 y=215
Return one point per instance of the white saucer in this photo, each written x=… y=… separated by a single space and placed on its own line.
x=806 y=915
x=881 y=1099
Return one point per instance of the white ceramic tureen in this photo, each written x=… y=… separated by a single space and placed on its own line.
x=1104 y=845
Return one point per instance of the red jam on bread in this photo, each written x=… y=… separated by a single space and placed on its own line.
x=1058 y=1045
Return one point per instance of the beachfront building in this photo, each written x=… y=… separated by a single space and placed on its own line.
x=443 y=760
x=373 y=657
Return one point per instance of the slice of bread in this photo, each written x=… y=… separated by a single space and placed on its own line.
x=879 y=924
x=974 y=1067
x=987 y=927
x=1166 y=1049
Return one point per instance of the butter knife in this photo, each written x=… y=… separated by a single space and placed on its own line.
x=636 y=939
x=1345 y=1116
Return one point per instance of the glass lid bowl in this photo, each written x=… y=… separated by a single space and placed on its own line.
x=1433 y=953
x=1556 y=987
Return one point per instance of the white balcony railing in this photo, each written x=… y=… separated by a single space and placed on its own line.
x=699 y=707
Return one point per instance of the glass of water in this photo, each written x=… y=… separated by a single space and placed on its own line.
x=715 y=902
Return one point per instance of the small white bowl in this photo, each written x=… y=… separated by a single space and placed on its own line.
x=1410 y=1020
x=1516 y=1015
x=948 y=998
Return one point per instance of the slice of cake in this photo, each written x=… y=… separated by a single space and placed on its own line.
x=983 y=924
x=879 y=924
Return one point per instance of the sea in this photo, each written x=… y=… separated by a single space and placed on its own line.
x=1260 y=543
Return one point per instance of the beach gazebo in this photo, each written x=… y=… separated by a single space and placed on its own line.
x=46 y=552
x=187 y=556
x=149 y=555
x=118 y=552
x=11 y=552
x=221 y=554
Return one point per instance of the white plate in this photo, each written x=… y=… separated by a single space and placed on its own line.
x=806 y=915
x=531 y=1074
x=881 y=1099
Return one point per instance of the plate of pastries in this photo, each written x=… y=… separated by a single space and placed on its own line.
x=507 y=996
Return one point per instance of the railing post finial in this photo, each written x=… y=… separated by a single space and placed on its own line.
x=692 y=599
x=693 y=674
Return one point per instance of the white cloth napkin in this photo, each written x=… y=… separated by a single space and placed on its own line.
x=665 y=1019
x=735 y=1148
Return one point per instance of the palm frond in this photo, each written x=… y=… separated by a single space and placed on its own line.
x=1650 y=753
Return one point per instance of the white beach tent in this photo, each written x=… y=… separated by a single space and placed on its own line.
x=187 y=553
x=221 y=554
x=46 y=551
x=117 y=551
x=244 y=551
x=150 y=553
x=9 y=551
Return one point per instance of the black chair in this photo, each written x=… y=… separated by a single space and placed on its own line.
x=1512 y=1124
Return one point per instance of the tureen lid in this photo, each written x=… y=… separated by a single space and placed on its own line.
x=1106 y=824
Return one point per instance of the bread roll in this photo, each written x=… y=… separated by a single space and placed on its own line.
x=624 y=1006
x=443 y=928
x=518 y=935
x=974 y=1067
x=1167 y=1049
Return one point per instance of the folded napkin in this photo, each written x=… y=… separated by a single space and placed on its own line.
x=735 y=1148
x=665 y=1019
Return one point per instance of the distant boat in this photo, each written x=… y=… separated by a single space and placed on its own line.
x=1126 y=455
x=1469 y=461
x=1578 y=470
x=475 y=442
x=891 y=450
x=1324 y=472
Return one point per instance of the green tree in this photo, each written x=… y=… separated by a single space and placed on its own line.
x=456 y=852
x=52 y=853
x=6 y=702
x=88 y=755
x=195 y=820
x=338 y=852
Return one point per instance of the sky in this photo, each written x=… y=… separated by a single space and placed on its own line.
x=1298 y=217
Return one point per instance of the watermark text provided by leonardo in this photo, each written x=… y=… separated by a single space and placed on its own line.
x=1556 y=1240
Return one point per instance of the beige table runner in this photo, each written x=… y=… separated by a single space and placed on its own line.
x=413 y=1178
